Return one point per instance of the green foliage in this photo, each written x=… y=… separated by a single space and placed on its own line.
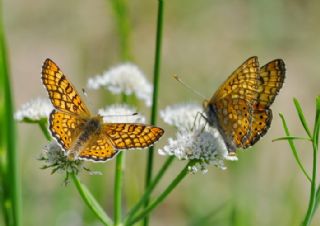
x=313 y=139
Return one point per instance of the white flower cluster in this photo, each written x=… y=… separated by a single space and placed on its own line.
x=34 y=110
x=125 y=78
x=181 y=116
x=195 y=139
x=120 y=113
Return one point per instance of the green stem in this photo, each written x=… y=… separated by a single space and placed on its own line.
x=43 y=124
x=293 y=147
x=90 y=201
x=317 y=201
x=156 y=75
x=118 y=188
x=147 y=192
x=166 y=192
x=313 y=192
x=8 y=153
x=123 y=26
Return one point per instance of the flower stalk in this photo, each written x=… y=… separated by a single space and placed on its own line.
x=163 y=195
x=9 y=162
x=156 y=75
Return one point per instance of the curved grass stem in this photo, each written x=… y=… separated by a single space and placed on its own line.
x=156 y=75
x=149 y=190
x=91 y=202
x=161 y=197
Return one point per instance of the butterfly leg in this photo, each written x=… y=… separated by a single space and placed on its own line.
x=201 y=114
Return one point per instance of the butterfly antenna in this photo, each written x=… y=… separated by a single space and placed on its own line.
x=126 y=115
x=84 y=92
x=188 y=87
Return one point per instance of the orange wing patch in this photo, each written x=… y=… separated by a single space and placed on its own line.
x=242 y=83
x=115 y=136
x=130 y=135
x=98 y=148
x=63 y=95
x=65 y=128
x=260 y=124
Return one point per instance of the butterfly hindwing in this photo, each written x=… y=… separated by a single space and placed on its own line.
x=65 y=128
x=234 y=118
x=261 y=120
x=112 y=137
x=272 y=76
x=98 y=148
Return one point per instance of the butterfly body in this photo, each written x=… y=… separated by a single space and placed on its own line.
x=240 y=108
x=83 y=136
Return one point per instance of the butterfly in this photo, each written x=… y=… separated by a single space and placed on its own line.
x=81 y=135
x=240 y=108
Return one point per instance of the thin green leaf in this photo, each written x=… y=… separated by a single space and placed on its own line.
x=301 y=116
x=291 y=138
x=317 y=200
x=317 y=123
x=152 y=185
x=91 y=201
x=162 y=196
x=293 y=147
x=9 y=171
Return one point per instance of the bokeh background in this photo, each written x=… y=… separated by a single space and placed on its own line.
x=203 y=42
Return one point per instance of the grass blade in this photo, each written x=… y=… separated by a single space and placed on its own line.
x=293 y=147
x=8 y=153
x=317 y=123
x=301 y=117
x=291 y=138
x=91 y=201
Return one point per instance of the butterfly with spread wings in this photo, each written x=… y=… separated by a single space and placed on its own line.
x=83 y=136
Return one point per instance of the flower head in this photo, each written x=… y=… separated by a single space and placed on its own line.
x=181 y=116
x=34 y=110
x=195 y=140
x=121 y=113
x=125 y=78
x=56 y=158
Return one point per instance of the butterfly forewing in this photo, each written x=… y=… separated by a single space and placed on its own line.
x=63 y=95
x=241 y=83
x=130 y=135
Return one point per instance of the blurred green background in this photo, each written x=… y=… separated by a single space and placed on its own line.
x=203 y=42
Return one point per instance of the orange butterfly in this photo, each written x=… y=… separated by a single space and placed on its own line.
x=83 y=136
x=240 y=108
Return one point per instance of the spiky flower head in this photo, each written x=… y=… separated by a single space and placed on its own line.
x=195 y=140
